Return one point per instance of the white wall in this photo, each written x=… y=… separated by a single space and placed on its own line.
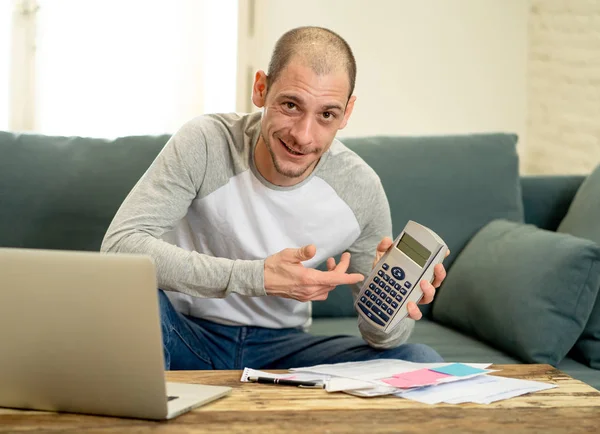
x=424 y=67
x=564 y=87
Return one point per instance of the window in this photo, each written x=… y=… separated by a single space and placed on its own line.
x=109 y=68
x=5 y=53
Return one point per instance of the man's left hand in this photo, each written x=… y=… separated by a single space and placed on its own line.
x=428 y=288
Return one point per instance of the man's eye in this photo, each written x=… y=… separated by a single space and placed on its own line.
x=290 y=105
x=328 y=115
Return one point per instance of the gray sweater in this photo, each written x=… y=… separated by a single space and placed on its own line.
x=209 y=219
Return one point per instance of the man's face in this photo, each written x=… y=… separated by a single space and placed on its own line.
x=302 y=113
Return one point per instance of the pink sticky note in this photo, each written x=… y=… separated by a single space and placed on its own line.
x=422 y=377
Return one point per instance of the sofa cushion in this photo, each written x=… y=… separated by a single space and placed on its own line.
x=583 y=220
x=525 y=290
x=452 y=345
x=64 y=191
x=452 y=184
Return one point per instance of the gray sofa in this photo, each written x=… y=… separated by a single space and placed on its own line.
x=62 y=192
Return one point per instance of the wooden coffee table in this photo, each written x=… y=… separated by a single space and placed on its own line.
x=267 y=409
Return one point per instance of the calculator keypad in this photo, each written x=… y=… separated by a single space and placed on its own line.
x=385 y=293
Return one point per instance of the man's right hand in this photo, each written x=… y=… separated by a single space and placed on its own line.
x=285 y=276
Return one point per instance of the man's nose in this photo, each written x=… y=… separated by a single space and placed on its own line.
x=302 y=131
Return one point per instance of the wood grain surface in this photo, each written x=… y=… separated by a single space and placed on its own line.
x=571 y=407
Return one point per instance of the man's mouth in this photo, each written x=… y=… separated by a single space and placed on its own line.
x=290 y=150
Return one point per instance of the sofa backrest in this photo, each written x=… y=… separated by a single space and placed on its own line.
x=62 y=192
x=546 y=198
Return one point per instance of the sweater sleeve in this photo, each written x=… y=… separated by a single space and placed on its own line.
x=158 y=202
x=377 y=225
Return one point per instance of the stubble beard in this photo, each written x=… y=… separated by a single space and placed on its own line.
x=288 y=173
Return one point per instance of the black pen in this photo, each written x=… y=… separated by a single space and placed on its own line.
x=285 y=382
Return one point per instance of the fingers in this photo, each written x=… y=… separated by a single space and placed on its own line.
x=428 y=292
x=342 y=266
x=322 y=294
x=383 y=246
x=447 y=253
x=413 y=311
x=330 y=264
x=336 y=278
x=344 y=263
x=333 y=278
x=439 y=273
x=305 y=253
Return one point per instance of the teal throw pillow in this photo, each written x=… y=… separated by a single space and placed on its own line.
x=524 y=290
x=583 y=220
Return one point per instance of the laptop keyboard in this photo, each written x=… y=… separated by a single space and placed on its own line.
x=171 y=398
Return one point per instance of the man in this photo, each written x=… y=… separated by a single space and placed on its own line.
x=238 y=210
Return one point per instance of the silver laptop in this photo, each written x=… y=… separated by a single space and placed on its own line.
x=80 y=332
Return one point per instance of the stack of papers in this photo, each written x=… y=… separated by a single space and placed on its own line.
x=429 y=383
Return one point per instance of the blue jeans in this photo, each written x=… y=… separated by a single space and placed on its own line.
x=196 y=344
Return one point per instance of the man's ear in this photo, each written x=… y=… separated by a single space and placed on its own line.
x=348 y=112
x=259 y=89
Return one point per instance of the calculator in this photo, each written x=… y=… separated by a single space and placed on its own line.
x=395 y=279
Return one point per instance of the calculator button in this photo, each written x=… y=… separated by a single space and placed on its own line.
x=387 y=288
x=398 y=297
x=384 y=306
x=381 y=273
x=388 y=299
x=372 y=285
x=392 y=282
x=363 y=299
x=407 y=284
x=397 y=286
x=373 y=297
x=385 y=266
x=378 y=302
x=382 y=283
x=386 y=277
x=369 y=303
x=376 y=279
x=398 y=273
x=394 y=304
x=377 y=290
x=393 y=293
x=368 y=293
x=380 y=313
x=402 y=291
x=383 y=295
x=370 y=315
x=390 y=311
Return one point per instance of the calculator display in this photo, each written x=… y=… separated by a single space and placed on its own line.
x=413 y=249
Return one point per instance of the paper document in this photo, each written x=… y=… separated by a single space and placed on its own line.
x=429 y=383
x=386 y=375
x=480 y=390
x=418 y=378
x=375 y=369
x=340 y=384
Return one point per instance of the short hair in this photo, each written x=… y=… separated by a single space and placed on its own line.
x=321 y=48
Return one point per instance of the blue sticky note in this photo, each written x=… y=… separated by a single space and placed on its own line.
x=458 y=370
